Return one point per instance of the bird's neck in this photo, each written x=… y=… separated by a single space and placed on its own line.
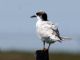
x=39 y=18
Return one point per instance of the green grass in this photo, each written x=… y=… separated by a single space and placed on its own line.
x=14 y=55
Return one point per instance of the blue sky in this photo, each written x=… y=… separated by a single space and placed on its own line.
x=17 y=29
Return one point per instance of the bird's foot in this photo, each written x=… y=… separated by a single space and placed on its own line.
x=45 y=49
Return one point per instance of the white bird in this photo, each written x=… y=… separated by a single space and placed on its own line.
x=47 y=31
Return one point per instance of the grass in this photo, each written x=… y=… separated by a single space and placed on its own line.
x=15 y=55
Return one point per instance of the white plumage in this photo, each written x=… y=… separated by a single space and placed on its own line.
x=46 y=29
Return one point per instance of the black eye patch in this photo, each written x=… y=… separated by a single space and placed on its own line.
x=39 y=14
x=44 y=16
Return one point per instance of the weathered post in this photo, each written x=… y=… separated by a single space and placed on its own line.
x=42 y=55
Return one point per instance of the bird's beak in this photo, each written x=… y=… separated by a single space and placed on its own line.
x=33 y=16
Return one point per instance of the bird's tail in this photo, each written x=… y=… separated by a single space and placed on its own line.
x=66 y=38
x=62 y=38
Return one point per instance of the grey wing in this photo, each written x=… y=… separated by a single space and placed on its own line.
x=58 y=34
x=55 y=29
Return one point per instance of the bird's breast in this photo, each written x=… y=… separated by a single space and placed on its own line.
x=43 y=30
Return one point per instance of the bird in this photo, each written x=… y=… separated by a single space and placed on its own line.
x=47 y=31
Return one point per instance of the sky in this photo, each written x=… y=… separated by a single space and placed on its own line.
x=18 y=30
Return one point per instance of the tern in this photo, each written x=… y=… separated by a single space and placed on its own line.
x=46 y=30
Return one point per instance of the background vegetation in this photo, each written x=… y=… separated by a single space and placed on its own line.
x=15 y=55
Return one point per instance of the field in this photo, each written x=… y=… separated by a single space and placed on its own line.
x=14 y=55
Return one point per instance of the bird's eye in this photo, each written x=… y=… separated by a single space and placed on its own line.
x=37 y=13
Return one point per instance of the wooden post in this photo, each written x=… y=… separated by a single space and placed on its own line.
x=42 y=55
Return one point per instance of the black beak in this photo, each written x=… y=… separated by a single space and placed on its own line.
x=33 y=16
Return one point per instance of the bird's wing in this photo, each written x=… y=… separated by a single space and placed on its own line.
x=55 y=30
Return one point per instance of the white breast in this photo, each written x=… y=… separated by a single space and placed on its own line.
x=43 y=29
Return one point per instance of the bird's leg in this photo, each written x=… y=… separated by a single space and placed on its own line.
x=49 y=46
x=43 y=45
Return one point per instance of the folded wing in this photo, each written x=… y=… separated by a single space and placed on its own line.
x=55 y=34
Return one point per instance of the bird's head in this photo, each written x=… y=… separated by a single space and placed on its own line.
x=40 y=15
